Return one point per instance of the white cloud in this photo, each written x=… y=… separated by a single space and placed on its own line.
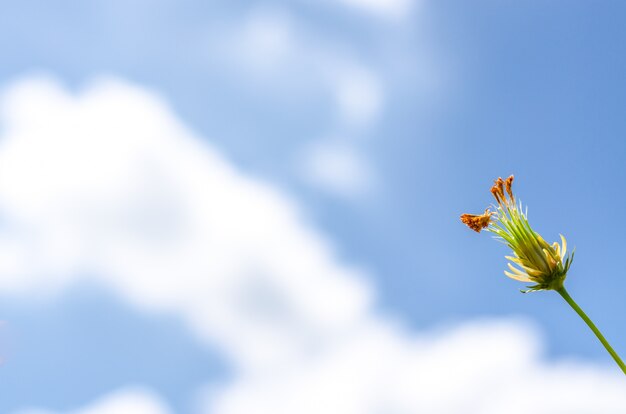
x=484 y=367
x=109 y=183
x=276 y=55
x=359 y=96
x=126 y=401
x=264 y=41
x=337 y=168
x=274 y=51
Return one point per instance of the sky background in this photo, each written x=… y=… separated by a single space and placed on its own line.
x=253 y=206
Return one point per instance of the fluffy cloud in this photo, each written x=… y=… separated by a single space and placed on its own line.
x=337 y=167
x=482 y=367
x=127 y=401
x=273 y=53
x=109 y=184
x=272 y=48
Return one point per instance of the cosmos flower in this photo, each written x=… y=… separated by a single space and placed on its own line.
x=533 y=260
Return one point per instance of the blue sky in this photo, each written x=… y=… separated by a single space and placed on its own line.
x=359 y=129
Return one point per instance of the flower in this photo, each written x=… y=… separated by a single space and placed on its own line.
x=533 y=259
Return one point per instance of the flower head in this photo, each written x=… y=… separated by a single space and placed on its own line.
x=533 y=259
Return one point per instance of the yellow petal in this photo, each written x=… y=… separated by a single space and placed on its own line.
x=514 y=260
x=516 y=270
x=527 y=270
x=522 y=278
x=556 y=247
x=550 y=259
x=533 y=272
x=563 y=247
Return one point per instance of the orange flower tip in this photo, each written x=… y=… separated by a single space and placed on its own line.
x=508 y=184
x=498 y=190
x=477 y=222
x=496 y=193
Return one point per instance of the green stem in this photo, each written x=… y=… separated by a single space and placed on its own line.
x=593 y=327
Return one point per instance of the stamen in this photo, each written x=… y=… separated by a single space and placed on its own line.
x=498 y=191
x=477 y=222
x=508 y=183
x=496 y=194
